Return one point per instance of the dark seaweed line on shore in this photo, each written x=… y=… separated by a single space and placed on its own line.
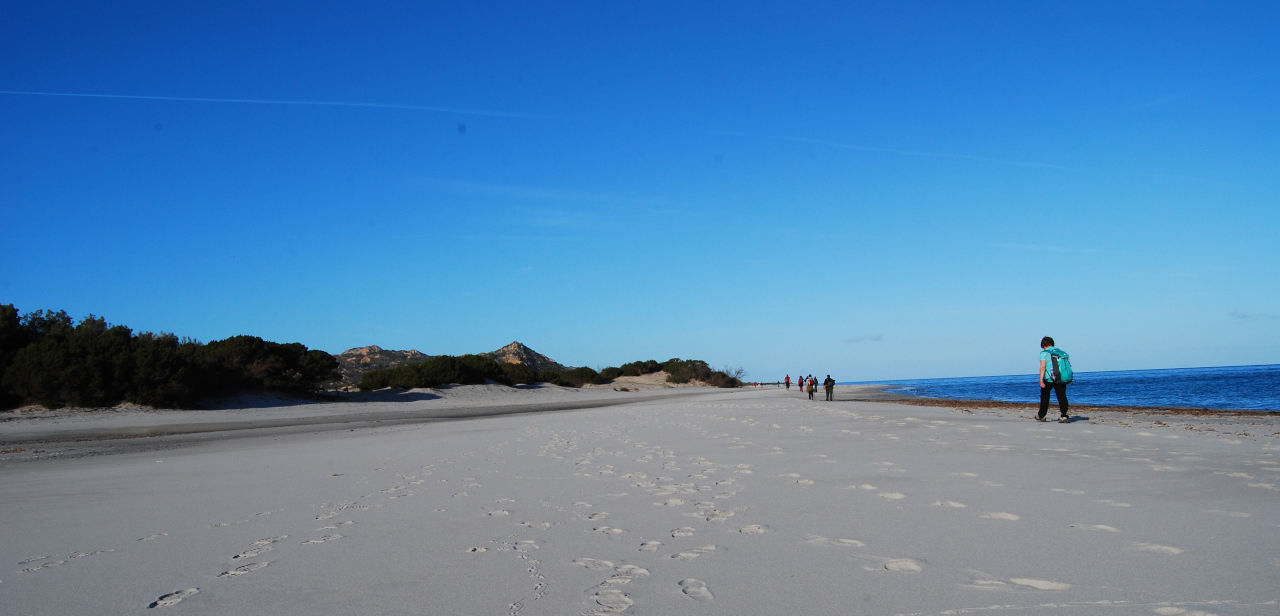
x=1020 y=406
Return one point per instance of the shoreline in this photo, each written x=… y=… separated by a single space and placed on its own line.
x=886 y=395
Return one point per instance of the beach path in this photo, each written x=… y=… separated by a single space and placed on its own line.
x=701 y=502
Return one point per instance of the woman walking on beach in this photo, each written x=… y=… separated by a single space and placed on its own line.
x=1055 y=373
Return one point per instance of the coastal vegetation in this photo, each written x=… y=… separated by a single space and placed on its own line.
x=47 y=359
x=476 y=369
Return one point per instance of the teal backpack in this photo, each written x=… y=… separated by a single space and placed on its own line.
x=1058 y=369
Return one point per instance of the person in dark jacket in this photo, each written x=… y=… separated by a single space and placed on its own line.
x=1047 y=352
x=830 y=385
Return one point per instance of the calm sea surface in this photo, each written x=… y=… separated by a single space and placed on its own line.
x=1233 y=387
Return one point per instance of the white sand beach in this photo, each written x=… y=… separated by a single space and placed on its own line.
x=543 y=501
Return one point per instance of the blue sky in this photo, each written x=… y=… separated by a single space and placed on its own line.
x=875 y=191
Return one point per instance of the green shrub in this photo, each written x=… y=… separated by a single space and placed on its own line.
x=519 y=374
x=46 y=360
x=577 y=377
x=437 y=371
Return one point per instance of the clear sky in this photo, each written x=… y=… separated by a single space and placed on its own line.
x=875 y=191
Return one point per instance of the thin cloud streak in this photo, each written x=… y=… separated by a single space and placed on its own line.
x=255 y=101
x=1039 y=248
x=1246 y=316
x=871 y=338
x=863 y=148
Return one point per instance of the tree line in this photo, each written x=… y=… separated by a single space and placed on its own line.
x=477 y=369
x=47 y=359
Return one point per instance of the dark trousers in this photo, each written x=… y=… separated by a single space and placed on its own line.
x=831 y=391
x=1061 y=389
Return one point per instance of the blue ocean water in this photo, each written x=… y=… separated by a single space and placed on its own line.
x=1232 y=387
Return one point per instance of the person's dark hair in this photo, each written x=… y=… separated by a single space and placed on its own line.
x=1046 y=342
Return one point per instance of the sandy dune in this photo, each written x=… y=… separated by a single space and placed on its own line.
x=693 y=502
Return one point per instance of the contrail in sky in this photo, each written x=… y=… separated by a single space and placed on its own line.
x=480 y=112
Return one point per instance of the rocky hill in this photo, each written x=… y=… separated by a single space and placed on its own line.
x=516 y=353
x=354 y=362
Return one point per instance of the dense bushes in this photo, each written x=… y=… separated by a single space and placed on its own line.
x=476 y=369
x=685 y=370
x=437 y=371
x=46 y=359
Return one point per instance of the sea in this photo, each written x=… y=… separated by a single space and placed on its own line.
x=1229 y=387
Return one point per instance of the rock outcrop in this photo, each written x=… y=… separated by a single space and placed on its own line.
x=354 y=362
x=516 y=353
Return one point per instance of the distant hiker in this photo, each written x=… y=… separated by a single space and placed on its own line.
x=830 y=385
x=813 y=386
x=788 y=381
x=1055 y=374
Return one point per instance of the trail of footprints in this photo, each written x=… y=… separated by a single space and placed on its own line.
x=655 y=472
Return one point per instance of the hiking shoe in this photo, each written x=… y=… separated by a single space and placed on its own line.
x=1064 y=419
x=1041 y=419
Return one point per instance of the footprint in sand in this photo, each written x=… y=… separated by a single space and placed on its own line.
x=673 y=502
x=1158 y=549
x=52 y=563
x=696 y=589
x=903 y=564
x=598 y=516
x=683 y=531
x=243 y=569
x=251 y=553
x=476 y=550
x=593 y=563
x=150 y=537
x=952 y=504
x=1039 y=584
x=173 y=598
x=497 y=513
x=533 y=525
x=892 y=495
x=270 y=540
x=1102 y=527
x=753 y=529
x=625 y=574
x=1234 y=514
x=846 y=543
x=608 y=530
x=1000 y=515
x=692 y=554
x=650 y=546
x=1115 y=503
x=322 y=539
x=1178 y=611
x=612 y=600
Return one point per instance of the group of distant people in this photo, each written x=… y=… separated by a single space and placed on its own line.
x=1055 y=375
x=810 y=385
